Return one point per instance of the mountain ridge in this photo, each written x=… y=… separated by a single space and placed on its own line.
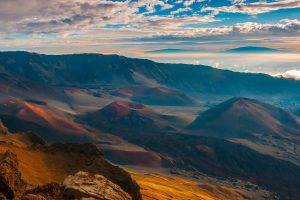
x=94 y=70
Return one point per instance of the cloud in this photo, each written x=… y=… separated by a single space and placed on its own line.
x=293 y=74
x=239 y=30
x=81 y=16
x=239 y=6
x=86 y=22
x=57 y=16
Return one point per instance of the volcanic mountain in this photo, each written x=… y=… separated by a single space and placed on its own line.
x=242 y=117
x=155 y=96
x=123 y=116
x=251 y=120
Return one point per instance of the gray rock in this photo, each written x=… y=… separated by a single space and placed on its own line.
x=84 y=185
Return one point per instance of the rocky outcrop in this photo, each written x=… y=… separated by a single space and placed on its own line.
x=3 y=129
x=87 y=157
x=82 y=185
x=85 y=185
x=116 y=182
x=11 y=183
x=51 y=191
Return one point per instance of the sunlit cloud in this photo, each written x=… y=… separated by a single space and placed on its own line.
x=293 y=74
x=95 y=22
x=241 y=6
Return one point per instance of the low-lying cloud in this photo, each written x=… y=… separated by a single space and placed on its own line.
x=293 y=74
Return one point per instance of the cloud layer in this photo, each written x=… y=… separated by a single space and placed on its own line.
x=44 y=22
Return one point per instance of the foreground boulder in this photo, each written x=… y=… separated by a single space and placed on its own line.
x=85 y=185
x=88 y=158
x=82 y=185
x=11 y=183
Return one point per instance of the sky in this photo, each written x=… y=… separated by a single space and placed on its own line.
x=133 y=28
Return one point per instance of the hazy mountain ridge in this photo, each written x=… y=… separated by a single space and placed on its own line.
x=90 y=70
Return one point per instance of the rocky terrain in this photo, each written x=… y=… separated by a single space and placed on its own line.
x=53 y=165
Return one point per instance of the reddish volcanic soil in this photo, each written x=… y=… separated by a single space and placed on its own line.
x=33 y=113
x=41 y=115
x=122 y=108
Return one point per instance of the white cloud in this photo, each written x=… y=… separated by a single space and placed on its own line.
x=293 y=74
x=291 y=27
x=86 y=22
x=60 y=16
x=240 y=6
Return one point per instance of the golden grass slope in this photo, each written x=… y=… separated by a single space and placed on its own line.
x=162 y=187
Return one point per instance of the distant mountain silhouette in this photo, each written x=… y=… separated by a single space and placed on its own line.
x=253 y=49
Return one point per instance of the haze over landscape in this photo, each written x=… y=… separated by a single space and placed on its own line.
x=163 y=99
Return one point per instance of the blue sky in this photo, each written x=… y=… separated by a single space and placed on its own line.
x=111 y=26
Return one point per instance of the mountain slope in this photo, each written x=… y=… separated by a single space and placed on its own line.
x=155 y=96
x=51 y=124
x=252 y=120
x=220 y=158
x=245 y=117
x=122 y=116
x=91 y=70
